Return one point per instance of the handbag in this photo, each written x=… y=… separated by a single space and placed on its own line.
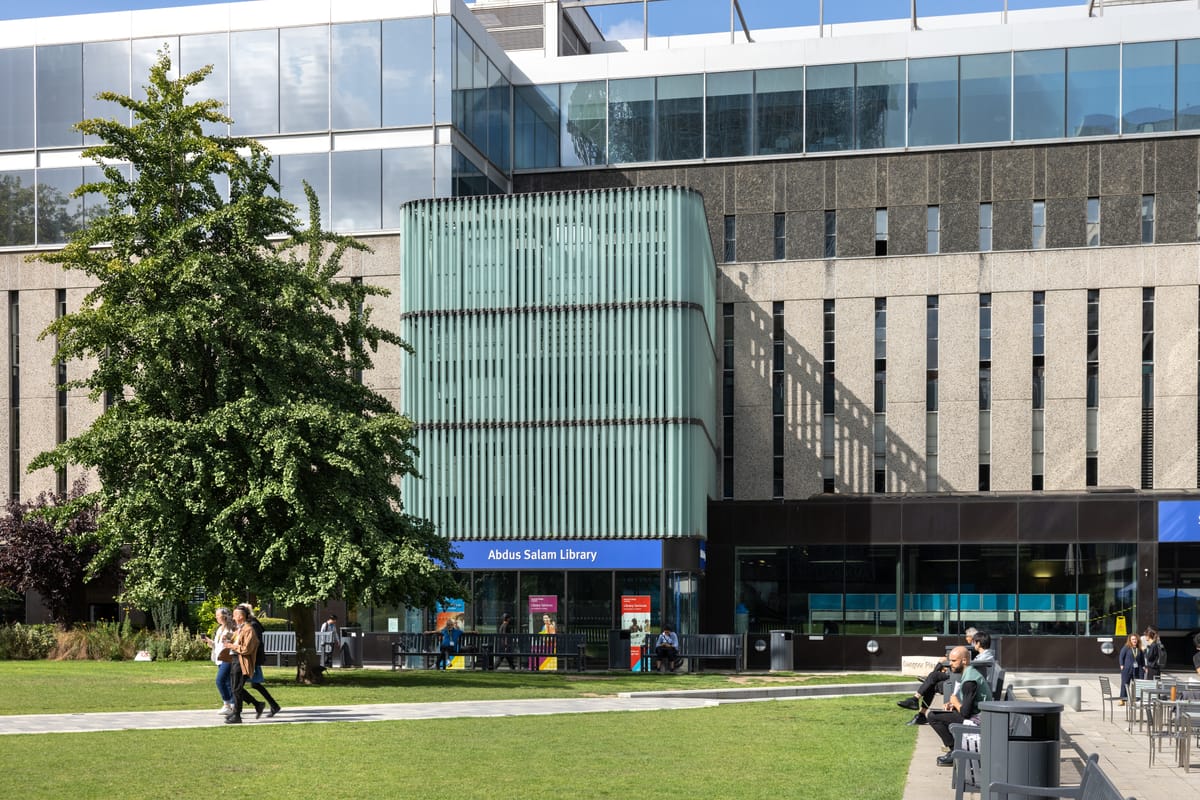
x=225 y=655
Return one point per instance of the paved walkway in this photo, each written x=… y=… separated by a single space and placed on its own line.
x=1124 y=757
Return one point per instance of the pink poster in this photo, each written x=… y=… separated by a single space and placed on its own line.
x=543 y=612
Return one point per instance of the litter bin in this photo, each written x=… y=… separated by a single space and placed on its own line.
x=352 y=647
x=1019 y=744
x=782 y=651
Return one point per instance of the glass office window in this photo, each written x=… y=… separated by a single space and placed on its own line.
x=584 y=136
x=16 y=101
x=59 y=95
x=499 y=118
x=357 y=191
x=58 y=213
x=294 y=170
x=254 y=82
x=779 y=111
x=1187 y=83
x=679 y=117
x=729 y=97
x=932 y=101
x=477 y=96
x=304 y=79
x=536 y=123
x=1148 y=87
x=16 y=207
x=1039 y=94
x=407 y=175
x=356 y=56
x=985 y=91
x=879 y=105
x=631 y=120
x=408 y=72
x=106 y=69
x=143 y=54
x=1092 y=90
x=985 y=227
x=930 y=583
x=829 y=97
x=443 y=67
x=196 y=52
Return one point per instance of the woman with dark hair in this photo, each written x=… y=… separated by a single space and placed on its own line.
x=245 y=647
x=257 y=682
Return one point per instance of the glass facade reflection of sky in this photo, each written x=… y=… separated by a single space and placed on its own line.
x=356 y=53
x=254 y=82
x=16 y=100
x=1148 y=87
x=985 y=98
x=59 y=95
x=932 y=101
x=196 y=52
x=779 y=111
x=829 y=100
x=1039 y=94
x=729 y=100
x=1187 y=83
x=879 y=105
x=1092 y=90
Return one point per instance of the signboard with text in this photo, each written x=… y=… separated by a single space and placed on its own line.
x=561 y=554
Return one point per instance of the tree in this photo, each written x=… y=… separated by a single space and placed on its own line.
x=241 y=453
x=41 y=552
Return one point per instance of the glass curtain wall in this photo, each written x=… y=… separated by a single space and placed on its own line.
x=1067 y=589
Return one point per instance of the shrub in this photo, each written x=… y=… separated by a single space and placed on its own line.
x=102 y=641
x=275 y=623
x=26 y=642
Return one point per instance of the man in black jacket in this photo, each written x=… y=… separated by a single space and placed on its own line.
x=922 y=699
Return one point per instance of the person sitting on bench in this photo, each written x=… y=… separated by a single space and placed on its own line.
x=932 y=685
x=667 y=649
x=963 y=705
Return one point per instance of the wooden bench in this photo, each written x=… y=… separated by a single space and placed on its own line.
x=1093 y=785
x=279 y=644
x=694 y=648
x=486 y=650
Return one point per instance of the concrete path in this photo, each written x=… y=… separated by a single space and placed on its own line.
x=1124 y=757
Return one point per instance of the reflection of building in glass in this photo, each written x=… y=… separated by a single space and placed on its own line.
x=932 y=190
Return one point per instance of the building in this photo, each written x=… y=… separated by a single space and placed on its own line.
x=956 y=311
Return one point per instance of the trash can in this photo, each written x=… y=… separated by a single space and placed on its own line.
x=782 y=651
x=1019 y=744
x=618 y=649
x=352 y=647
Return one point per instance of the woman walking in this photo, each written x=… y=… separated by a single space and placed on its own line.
x=222 y=657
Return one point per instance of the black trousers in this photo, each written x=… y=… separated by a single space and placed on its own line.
x=666 y=656
x=941 y=720
x=931 y=687
x=240 y=696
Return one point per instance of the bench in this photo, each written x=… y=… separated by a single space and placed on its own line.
x=521 y=650
x=696 y=647
x=1093 y=785
x=279 y=644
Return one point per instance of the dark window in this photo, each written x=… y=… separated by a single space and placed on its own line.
x=831 y=234
x=730 y=238
x=780 y=237
x=881 y=231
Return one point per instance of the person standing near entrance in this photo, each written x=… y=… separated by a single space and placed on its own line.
x=1154 y=655
x=334 y=641
x=1132 y=661
x=505 y=644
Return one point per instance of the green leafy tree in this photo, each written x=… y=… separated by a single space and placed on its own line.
x=241 y=452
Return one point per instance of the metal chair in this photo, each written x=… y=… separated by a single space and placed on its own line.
x=1106 y=696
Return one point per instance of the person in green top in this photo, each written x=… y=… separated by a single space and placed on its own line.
x=964 y=703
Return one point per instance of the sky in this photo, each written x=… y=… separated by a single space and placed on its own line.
x=667 y=17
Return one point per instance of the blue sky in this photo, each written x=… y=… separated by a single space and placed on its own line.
x=666 y=16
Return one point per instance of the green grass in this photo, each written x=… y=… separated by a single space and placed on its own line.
x=44 y=687
x=795 y=749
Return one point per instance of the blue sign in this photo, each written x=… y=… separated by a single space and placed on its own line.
x=561 y=554
x=1179 y=520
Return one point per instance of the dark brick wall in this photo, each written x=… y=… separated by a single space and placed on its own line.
x=1064 y=175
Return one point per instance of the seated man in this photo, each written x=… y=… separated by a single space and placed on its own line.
x=932 y=686
x=982 y=644
x=964 y=703
x=667 y=649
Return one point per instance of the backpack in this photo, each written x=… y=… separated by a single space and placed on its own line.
x=1156 y=656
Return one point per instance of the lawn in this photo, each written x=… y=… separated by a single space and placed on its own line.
x=799 y=749
x=43 y=687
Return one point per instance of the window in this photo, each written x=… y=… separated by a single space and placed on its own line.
x=1039 y=391
x=931 y=393
x=880 y=406
x=780 y=236
x=14 y=395
x=1147 y=219
x=60 y=380
x=831 y=234
x=1093 y=387
x=778 y=388
x=1039 y=225
x=985 y=392
x=985 y=227
x=1093 y=222
x=1148 y=388
x=730 y=238
x=881 y=231
x=827 y=399
x=727 y=401
x=933 y=229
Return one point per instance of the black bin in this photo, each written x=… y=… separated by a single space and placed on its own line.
x=352 y=647
x=618 y=648
x=1019 y=744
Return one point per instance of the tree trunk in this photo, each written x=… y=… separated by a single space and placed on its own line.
x=308 y=660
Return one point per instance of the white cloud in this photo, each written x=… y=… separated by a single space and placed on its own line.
x=625 y=29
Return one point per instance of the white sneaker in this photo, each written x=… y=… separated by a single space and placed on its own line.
x=226 y=710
